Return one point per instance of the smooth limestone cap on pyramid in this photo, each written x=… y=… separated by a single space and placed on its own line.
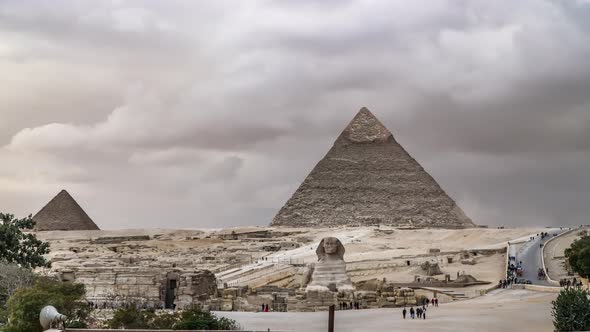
x=367 y=178
x=63 y=213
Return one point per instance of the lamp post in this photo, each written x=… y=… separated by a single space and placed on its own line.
x=331 y=313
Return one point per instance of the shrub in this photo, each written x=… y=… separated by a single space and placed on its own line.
x=131 y=317
x=26 y=304
x=571 y=310
x=3 y=317
x=197 y=319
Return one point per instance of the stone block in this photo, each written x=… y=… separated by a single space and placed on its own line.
x=126 y=280
x=227 y=305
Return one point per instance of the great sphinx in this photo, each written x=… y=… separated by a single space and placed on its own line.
x=329 y=273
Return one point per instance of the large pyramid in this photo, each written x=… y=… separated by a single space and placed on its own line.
x=367 y=178
x=62 y=213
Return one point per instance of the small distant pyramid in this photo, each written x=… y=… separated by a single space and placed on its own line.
x=367 y=178
x=63 y=213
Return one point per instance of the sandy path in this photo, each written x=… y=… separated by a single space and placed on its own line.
x=501 y=310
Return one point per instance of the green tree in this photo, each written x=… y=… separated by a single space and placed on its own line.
x=18 y=247
x=571 y=310
x=578 y=255
x=26 y=304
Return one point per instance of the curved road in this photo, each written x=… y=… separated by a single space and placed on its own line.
x=530 y=254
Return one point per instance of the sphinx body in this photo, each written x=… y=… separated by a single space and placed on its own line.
x=329 y=273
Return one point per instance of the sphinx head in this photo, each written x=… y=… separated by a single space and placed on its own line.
x=330 y=247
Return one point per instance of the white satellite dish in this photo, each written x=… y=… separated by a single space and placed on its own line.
x=49 y=316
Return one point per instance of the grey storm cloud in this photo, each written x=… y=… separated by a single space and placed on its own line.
x=210 y=113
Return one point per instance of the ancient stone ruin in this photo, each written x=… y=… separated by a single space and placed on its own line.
x=367 y=178
x=432 y=269
x=329 y=273
x=112 y=287
x=63 y=213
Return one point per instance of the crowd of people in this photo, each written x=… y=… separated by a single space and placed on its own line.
x=350 y=305
x=507 y=282
x=125 y=304
x=420 y=311
x=570 y=282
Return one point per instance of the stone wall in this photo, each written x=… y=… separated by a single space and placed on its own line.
x=112 y=287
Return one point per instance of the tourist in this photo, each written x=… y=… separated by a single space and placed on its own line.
x=436 y=302
x=419 y=313
x=404 y=312
x=266 y=308
x=432 y=300
x=412 y=312
x=263 y=307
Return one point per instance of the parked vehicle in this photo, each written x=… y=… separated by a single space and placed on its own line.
x=522 y=281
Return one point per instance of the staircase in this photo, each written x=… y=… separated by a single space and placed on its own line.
x=456 y=296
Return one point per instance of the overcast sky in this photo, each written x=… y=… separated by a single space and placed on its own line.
x=211 y=113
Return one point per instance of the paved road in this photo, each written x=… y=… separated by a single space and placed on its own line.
x=530 y=254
